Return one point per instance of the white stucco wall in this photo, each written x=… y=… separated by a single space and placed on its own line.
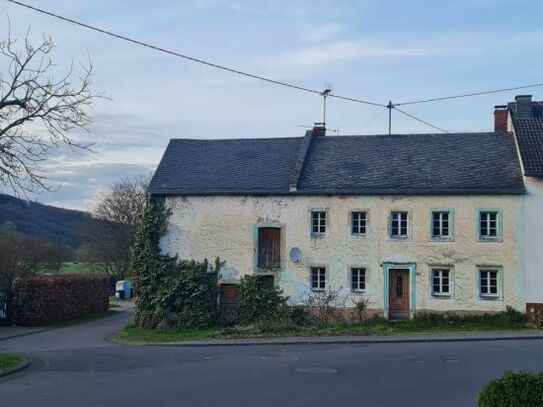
x=533 y=201
x=225 y=227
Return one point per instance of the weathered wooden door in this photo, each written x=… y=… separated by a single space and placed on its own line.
x=398 y=294
x=228 y=304
x=269 y=248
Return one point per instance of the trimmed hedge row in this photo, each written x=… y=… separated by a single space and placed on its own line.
x=40 y=300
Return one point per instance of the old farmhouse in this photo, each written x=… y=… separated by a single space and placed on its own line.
x=441 y=222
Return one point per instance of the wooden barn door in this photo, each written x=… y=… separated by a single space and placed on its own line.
x=269 y=248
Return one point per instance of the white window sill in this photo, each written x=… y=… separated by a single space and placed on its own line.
x=358 y=291
x=489 y=296
x=442 y=296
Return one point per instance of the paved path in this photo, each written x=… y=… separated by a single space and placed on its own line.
x=74 y=366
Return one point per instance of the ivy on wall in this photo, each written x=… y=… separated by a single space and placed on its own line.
x=170 y=293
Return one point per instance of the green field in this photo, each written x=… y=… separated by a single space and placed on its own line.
x=73 y=268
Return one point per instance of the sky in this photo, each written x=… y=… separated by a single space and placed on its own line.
x=368 y=49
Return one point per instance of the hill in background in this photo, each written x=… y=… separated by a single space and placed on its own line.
x=57 y=225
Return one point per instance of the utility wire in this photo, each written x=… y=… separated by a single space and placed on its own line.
x=370 y=121
x=193 y=59
x=487 y=92
x=419 y=120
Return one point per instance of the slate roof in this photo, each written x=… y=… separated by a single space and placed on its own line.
x=528 y=127
x=252 y=166
x=428 y=164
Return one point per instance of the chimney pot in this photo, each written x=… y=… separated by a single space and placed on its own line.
x=319 y=129
x=501 y=115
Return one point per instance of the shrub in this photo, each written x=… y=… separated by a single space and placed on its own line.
x=360 y=310
x=44 y=299
x=259 y=301
x=324 y=307
x=171 y=293
x=512 y=390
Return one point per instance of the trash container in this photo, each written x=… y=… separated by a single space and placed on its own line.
x=122 y=290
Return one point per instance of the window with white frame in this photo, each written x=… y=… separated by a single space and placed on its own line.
x=441 y=282
x=398 y=224
x=358 y=278
x=488 y=283
x=358 y=223
x=318 y=278
x=441 y=228
x=488 y=224
x=318 y=222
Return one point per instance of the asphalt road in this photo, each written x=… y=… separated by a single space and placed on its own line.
x=75 y=366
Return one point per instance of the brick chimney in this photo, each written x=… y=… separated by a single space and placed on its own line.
x=501 y=114
x=319 y=130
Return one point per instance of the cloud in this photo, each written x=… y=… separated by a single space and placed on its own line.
x=321 y=32
x=80 y=185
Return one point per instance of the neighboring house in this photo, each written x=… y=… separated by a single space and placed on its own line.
x=524 y=118
x=412 y=222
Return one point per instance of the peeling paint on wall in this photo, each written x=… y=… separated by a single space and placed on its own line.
x=223 y=226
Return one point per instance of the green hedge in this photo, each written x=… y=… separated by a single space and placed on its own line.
x=41 y=300
x=520 y=389
x=259 y=301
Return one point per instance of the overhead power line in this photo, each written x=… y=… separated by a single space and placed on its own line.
x=486 y=92
x=419 y=120
x=193 y=59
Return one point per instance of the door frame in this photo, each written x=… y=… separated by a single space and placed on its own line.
x=412 y=267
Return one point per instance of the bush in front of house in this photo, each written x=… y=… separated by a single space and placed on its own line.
x=171 y=293
x=260 y=301
x=513 y=389
x=43 y=299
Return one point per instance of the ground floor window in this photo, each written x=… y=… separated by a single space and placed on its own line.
x=318 y=278
x=441 y=282
x=358 y=279
x=488 y=283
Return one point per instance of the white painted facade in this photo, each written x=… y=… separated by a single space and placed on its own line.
x=227 y=227
x=533 y=205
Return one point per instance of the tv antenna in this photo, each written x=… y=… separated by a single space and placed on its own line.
x=324 y=95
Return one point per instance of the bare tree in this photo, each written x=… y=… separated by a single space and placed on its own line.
x=37 y=111
x=110 y=234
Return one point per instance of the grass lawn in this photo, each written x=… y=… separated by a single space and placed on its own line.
x=9 y=362
x=427 y=324
x=133 y=334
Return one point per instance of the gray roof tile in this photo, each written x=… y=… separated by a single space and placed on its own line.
x=465 y=163
x=529 y=133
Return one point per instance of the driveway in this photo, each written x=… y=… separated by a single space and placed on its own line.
x=75 y=366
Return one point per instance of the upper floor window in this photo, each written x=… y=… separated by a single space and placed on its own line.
x=358 y=279
x=358 y=223
x=318 y=222
x=489 y=224
x=318 y=278
x=441 y=282
x=398 y=224
x=269 y=247
x=488 y=283
x=441 y=224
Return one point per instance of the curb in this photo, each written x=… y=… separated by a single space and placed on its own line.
x=23 y=365
x=5 y=338
x=350 y=341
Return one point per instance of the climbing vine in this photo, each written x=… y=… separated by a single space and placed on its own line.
x=170 y=293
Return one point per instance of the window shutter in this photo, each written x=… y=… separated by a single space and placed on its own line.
x=269 y=247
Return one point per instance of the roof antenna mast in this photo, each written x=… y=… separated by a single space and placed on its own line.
x=324 y=94
x=390 y=106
